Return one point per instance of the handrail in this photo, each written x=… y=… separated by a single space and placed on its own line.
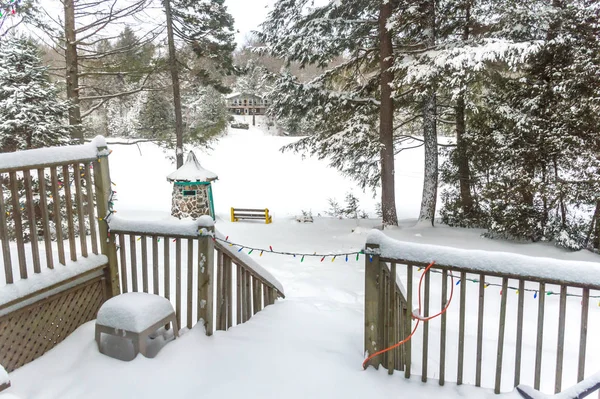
x=175 y=228
x=528 y=274
x=52 y=156
x=194 y=270
x=253 y=267
x=498 y=264
x=255 y=287
x=171 y=227
x=48 y=187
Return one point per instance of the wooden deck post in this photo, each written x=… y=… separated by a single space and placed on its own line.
x=205 y=282
x=107 y=241
x=373 y=342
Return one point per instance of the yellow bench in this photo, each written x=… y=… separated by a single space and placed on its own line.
x=239 y=213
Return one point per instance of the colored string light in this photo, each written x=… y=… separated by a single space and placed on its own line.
x=516 y=289
x=321 y=256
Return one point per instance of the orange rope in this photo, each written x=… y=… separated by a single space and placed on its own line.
x=419 y=319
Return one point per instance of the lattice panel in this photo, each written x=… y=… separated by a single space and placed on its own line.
x=28 y=333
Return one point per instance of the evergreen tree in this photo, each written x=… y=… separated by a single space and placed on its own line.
x=533 y=138
x=349 y=106
x=255 y=79
x=351 y=210
x=207 y=116
x=31 y=115
x=156 y=120
x=16 y=12
x=207 y=27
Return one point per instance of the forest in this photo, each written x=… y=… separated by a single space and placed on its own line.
x=504 y=96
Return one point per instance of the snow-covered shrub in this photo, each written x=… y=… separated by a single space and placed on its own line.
x=351 y=210
x=334 y=209
x=306 y=217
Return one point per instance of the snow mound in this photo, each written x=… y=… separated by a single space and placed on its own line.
x=360 y=230
x=99 y=141
x=134 y=311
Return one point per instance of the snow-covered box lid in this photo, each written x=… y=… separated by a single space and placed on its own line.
x=134 y=311
x=191 y=170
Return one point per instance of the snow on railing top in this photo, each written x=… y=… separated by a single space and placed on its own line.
x=581 y=390
x=37 y=282
x=501 y=263
x=170 y=226
x=52 y=155
x=250 y=263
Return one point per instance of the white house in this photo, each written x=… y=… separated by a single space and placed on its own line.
x=246 y=104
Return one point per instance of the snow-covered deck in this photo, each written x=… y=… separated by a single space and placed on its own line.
x=308 y=345
x=311 y=343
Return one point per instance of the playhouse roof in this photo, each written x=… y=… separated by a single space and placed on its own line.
x=191 y=170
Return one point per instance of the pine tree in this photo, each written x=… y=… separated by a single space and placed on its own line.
x=156 y=120
x=533 y=139
x=17 y=12
x=207 y=27
x=349 y=106
x=207 y=116
x=351 y=210
x=31 y=115
x=255 y=79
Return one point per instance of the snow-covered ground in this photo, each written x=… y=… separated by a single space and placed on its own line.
x=311 y=343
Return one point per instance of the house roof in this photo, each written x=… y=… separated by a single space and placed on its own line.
x=237 y=94
x=191 y=170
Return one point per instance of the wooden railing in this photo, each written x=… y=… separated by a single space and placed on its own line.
x=243 y=287
x=181 y=261
x=385 y=314
x=388 y=316
x=61 y=262
x=48 y=209
x=55 y=254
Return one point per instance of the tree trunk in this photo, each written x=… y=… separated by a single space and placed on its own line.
x=386 y=119
x=72 y=74
x=429 y=199
x=594 y=231
x=464 y=172
x=176 y=91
